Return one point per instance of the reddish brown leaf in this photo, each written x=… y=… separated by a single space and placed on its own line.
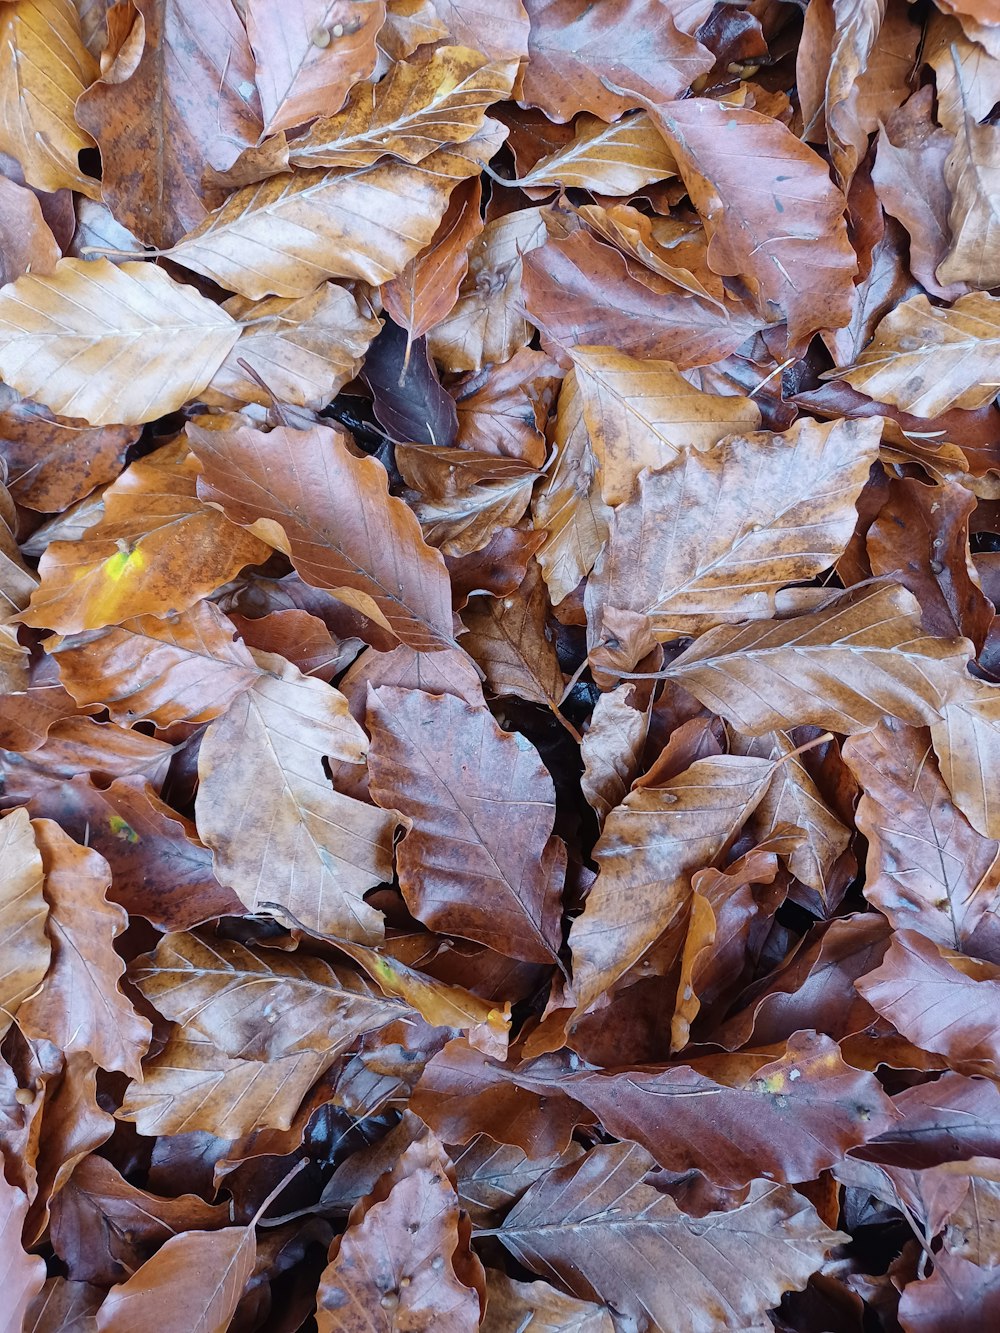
x=478 y=859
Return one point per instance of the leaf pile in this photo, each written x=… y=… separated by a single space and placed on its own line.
x=499 y=666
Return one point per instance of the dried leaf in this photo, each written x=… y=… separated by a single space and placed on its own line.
x=155 y=550
x=24 y=945
x=330 y=511
x=88 y=341
x=43 y=70
x=478 y=859
x=279 y=828
x=608 y=1236
x=863 y=655
x=308 y=60
x=23 y=1274
x=284 y=237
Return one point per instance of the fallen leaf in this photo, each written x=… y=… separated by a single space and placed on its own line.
x=596 y=1226
x=464 y=787
x=88 y=340
x=23 y=1274
x=24 y=943
x=330 y=511
x=155 y=550
x=860 y=657
x=279 y=828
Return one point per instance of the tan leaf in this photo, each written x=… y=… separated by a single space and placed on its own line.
x=928 y=870
x=80 y=1006
x=24 y=944
x=863 y=655
x=966 y=77
x=668 y=256
x=650 y=845
x=332 y=513
x=645 y=413
x=309 y=58
x=606 y=1235
x=487 y=324
x=190 y=1085
x=539 y=1307
x=27 y=241
x=568 y=504
x=284 y=237
x=733 y=524
x=254 y=1003
x=110 y=343
x=611 y=749
x=411 y=113
x=156 y=549
x=479 y=859
x=616 y=159
x=44 y=67
x=406 y=1250
x=22 y=1275
x=501 y=31
x=183 y=668
x=926 y=359
x=780 y=226
x=305 y=349
x=967 y=742
x=279 y=829
x=972 y=174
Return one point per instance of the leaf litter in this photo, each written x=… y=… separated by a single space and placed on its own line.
x=499 y=666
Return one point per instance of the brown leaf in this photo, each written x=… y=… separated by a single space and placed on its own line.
x=330 y=511
x=615 y=159
x=972 y=174
x=279 y=828
x=957 y=1289
x=460 y=1093
x=538 y=1306
x=967 y=742
x=910 y=143
x=581 y=293
x=157 y=145
x=941 y=1000
x=155 y=550
x=44 y=67
x=27 y=241
x=926 y=359
x=24 y=945
x=427 y=288
x=89 y=340
x=921 y=538
x=478 y=859
x=606 y=1235
x=501 y=31
x=650 y=845
x=787 y=1114
x=98 y=1202
x=406 y=1251
x=184 y=668
x=259 y=1004
x=284 y=237
x=306 y=67
x=411 y=113
x=23 y=1275
x=486 y=324
x=568 y=503
x=645 y=414
x=574 y=53
x=861 y=656
x=190 y=1085
x=465 y=496
x=64 y=1307
x=510 y=639
x=764 y=222
x=79 y=1006
x=200 y=1275
x=159 y=869
x=611 y=750
x=733 y=523
x=305 y=349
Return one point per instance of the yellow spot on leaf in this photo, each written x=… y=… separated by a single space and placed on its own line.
x=124 y=562
x=122 y=830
